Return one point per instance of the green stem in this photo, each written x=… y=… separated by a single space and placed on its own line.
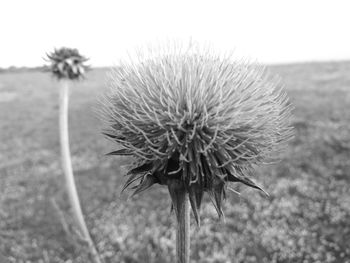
x=68 y=171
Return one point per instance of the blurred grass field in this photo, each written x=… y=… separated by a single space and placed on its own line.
x=305 y=219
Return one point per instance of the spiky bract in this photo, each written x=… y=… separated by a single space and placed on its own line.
x=196 y=121
x=67 y=63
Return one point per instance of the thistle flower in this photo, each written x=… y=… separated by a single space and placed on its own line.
x=195 y=121
x=67 y=63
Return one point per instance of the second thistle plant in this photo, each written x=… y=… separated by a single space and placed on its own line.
x=66 y=64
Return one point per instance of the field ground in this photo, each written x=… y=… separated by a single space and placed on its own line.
x=306 y=218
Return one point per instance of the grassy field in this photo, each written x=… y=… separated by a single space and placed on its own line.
x=306 y=218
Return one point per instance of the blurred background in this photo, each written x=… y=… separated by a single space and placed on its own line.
x=306 y=217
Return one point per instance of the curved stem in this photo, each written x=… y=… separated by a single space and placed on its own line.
x=68 y=171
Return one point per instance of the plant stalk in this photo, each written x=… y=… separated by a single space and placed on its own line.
x=68 y=171
x=183 y=228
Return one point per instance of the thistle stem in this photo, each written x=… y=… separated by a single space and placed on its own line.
x=68 y=171
x=183 y=228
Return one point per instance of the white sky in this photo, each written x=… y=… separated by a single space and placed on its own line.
x=269 y=30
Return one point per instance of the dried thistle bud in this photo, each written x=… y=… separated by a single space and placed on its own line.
x=67 y=63
x=195 y=121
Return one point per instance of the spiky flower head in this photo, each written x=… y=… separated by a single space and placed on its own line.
x=67 y=63
x=195 y=121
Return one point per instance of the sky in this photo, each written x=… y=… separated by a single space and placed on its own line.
x=269 y=31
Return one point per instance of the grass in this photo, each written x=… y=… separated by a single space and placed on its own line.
x=306 y=218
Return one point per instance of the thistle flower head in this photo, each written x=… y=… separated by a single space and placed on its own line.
x=195 y=121
x=67 y=63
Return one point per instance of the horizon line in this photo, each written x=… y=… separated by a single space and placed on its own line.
x=282 y=63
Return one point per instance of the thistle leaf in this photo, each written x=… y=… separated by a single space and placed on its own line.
x=199 y=198
x=60 y=67
x=216 y=204
x=120 y=152
x=218 y=195
x=194 y=205
x=247 y=181
x=146 y=183
x=112 y=136
x=74 y=69
x=81 y=71
x=130 y=180
x=176 y=192
x=141 y=169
